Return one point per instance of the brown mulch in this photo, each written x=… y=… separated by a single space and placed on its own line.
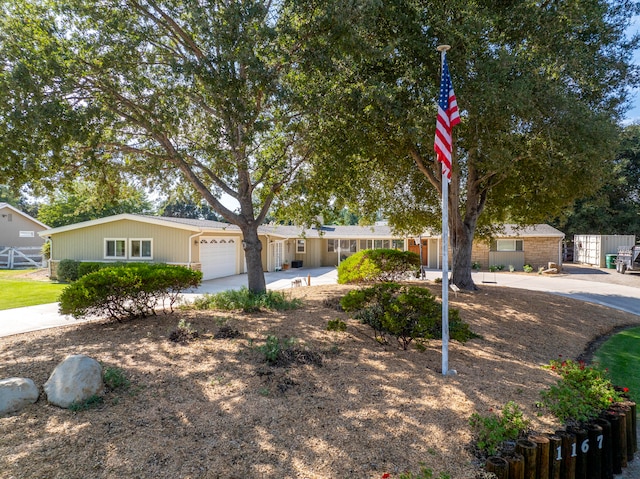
x=341 y=405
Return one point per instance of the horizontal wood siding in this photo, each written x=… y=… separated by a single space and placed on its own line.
x=170 y=245
x=10 y=230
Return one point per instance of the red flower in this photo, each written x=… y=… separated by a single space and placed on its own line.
x=386 y=475
x=610 y=399
x=625 y=390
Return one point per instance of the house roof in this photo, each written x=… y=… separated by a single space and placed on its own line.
x=529 y=231
x=22 y=213
x=328 y=231
x=125 y=216
x=287 y=231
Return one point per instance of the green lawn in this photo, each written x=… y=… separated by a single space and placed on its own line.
x=621 y=356
x=17 y=290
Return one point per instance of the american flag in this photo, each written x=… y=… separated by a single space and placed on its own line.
x=448 y=117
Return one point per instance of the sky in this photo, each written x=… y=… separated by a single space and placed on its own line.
x=633 y=115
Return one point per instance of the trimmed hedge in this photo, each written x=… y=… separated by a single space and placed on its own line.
x=404 y=312
x=70 y=270
x=373 y=265
x=127 y=291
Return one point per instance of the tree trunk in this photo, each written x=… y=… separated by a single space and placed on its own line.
x=462 y=227
x=461 y=245
x=253 y=254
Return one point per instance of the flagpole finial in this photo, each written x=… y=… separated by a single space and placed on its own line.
x=443 y=48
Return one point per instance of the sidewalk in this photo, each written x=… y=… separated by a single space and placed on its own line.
x=622 y=297
x=44 y=316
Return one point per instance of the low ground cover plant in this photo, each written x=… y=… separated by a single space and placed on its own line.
x=372 y=265
x=581 y=394
x=405 y=312
x=183 y=333
x=247 y=301
x=493 y=430
x=129 y=291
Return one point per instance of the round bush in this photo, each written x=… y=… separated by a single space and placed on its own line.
x=373 y=265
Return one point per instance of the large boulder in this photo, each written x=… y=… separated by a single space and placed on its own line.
x=74 y=380
x=16 y=393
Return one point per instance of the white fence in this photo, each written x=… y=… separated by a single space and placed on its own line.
x=27 y=257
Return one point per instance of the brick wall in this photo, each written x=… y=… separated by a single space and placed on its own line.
x=540 y=251
x=537 y=252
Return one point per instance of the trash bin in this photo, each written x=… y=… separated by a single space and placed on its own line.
x=611 y=261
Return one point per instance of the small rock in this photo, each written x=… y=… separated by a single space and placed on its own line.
x=74 y=380
x=16 y=393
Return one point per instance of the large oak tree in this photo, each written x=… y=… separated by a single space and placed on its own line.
x=170 y=91
x=540 y=84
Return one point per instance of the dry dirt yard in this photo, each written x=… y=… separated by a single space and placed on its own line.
x=213 y=408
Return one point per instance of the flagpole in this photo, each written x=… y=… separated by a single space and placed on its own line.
x=445 y=250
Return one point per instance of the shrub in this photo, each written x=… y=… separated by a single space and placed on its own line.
x=86 y=267
x=183 y=333
x=336 y=325
x=114 y=378
x=273 y=348
x=133 y=290
x=527 y=268
x=378 y=265
x=247 y=301
x=493 y=430
x=67 y=270
x=404 y=312
x=581 y=393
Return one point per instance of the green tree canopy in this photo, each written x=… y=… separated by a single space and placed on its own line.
x=613 y=209
x=89 y=200
x=541 y=86
x=172 y=91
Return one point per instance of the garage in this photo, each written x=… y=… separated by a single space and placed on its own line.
x=218 y=256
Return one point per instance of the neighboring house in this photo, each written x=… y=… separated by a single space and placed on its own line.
x=20 y=245
x=216 y=248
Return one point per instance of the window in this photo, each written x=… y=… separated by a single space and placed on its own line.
x=397 y=244
x=348 y=245
x=508 y=245
x=366 y=244
x=377 y=244
x=301 y=246
x=345 y=246
x=115 y=248
x=141 y=249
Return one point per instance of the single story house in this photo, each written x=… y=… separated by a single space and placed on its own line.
x=215 y=248
x=20 y=245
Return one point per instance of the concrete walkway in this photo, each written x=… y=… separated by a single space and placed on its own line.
x=44 y=316
x=586 y=287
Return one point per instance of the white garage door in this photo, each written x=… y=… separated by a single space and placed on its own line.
x=218 y=256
